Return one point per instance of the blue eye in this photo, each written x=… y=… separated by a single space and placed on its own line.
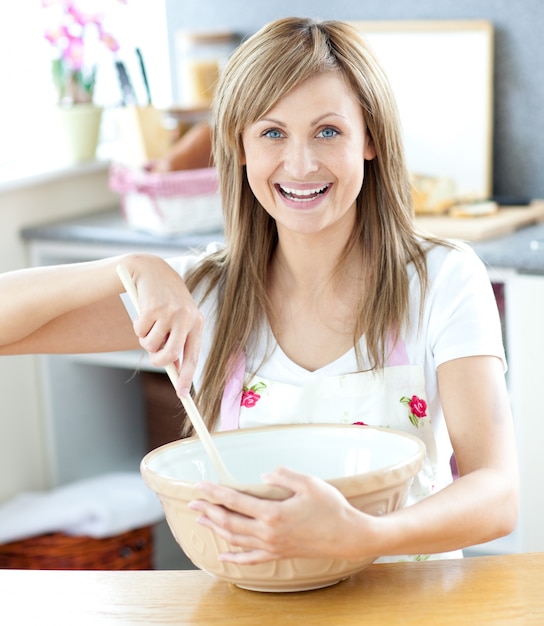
x=273 y=133
x=328 y=132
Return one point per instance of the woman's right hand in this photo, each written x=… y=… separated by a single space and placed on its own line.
x=169 y=326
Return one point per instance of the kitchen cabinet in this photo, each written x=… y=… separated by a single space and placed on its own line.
x=36 y=198
x=93 y=407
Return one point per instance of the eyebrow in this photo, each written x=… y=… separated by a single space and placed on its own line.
x=270 y=120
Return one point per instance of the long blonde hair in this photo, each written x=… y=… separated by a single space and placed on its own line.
x=260 y=72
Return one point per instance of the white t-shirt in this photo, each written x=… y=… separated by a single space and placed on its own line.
x=459 y=319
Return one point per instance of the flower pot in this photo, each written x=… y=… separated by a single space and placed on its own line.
x=80 y=127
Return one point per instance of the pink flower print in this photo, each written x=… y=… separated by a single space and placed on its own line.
x=250 y=397
x=418 y=406
x=417 y=409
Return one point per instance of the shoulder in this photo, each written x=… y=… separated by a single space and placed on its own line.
x=454 y=273
x=453 y=268
x=183 y=264
x=460 y=313
x=458 y=256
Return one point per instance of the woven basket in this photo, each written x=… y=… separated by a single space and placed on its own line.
x=131 y=550
x=169 y=203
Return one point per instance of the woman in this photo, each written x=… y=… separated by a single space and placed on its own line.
x=323 y=294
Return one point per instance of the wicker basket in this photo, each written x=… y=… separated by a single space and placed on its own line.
x=131 y=550
x=169 y=203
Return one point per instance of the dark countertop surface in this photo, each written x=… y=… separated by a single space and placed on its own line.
x=110 y=228
x=521 y=250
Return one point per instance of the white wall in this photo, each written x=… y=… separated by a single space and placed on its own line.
x=76 y=191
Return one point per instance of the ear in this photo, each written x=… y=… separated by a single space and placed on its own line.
x=370 y=151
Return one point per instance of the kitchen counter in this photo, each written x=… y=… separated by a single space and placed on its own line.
x=482 y=590
x=522 y=250
x=109 y=228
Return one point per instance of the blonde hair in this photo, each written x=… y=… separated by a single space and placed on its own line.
x=260 y=72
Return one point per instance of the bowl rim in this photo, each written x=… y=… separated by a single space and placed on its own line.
x=367 y=482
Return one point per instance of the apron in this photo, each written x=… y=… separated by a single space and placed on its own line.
x=393 y=397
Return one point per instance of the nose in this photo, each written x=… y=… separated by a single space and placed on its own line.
x=299 y=158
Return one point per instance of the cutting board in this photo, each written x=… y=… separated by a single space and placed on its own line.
x=504 y=221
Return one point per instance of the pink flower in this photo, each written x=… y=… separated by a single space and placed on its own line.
x=250 y=398
x=359 y=424
x=418 y=407
x=110 y=42
x=75 y=29
x=74 y=53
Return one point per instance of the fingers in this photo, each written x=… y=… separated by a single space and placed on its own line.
x=288 y=479
x=189 y=360
x=271 y=529
x=246 y=522
x=169 y=332
x=167 y=345
x=238 y=531
x=169 y=326
x=228 y=498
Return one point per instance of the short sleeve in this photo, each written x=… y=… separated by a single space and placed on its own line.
x=463 y=317
x=184 y=263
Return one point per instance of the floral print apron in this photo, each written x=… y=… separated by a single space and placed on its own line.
x=393 y=397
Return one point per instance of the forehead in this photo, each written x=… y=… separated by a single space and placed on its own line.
x=328 y=91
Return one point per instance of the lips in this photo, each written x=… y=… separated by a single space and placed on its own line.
x=302 y=195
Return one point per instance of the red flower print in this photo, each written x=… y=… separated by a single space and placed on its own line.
x=250 y=397
x=418 y=406
x=417 y=409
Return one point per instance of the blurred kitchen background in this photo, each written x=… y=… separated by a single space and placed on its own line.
x=153 y=25
x=66 y=419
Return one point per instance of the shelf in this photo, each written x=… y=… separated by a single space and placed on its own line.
x=131 y=360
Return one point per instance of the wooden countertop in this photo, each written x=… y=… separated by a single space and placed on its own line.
x=506 y=220
x=480 y=590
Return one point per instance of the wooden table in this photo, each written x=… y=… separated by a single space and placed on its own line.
x=482 y=590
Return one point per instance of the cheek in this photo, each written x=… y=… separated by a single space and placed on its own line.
x=258 y=168
x=256 y=178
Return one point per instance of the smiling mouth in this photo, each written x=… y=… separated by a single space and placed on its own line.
x=302 y=195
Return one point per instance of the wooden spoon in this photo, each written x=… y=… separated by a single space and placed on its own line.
x=200 y=427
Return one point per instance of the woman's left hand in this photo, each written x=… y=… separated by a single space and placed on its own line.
x=314 y=521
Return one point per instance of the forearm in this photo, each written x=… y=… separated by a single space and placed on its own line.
x=476 y=508
x=65 y=308
x=76 y=308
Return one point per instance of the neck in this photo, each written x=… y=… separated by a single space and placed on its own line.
x=307 y=263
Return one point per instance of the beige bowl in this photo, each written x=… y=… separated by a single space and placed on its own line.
x=372 y=467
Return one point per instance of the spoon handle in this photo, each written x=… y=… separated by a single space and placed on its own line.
x=200 y=427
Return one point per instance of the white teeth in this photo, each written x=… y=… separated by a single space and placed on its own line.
x=302 y=194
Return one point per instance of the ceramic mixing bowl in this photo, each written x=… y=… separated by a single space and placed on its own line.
x=372 y=467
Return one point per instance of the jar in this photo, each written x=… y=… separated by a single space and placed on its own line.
x=201 y=57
